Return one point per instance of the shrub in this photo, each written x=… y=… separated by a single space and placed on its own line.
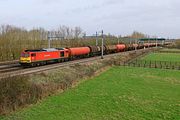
x=17 y=91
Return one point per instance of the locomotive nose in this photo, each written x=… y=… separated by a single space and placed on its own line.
x=25 y=59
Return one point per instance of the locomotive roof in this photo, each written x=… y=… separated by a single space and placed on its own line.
x=35 y=50
x=50 y=49
x=44 y=50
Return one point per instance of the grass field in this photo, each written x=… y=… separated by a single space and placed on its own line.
x=171 y=50
x=119 y=93
x=174 y=57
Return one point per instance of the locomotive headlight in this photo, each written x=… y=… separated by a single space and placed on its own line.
x=25 y=59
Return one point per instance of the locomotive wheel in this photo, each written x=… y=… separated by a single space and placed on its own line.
x=38 y=64
x=32 y=64
x=59 y=60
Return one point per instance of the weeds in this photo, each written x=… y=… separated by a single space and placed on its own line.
x=17 y=91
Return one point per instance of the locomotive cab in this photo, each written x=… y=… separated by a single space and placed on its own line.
x=25 y=57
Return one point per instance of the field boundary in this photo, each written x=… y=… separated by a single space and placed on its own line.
x=152 y=64
x=167 y=52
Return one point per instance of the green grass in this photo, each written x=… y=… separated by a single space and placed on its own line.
x=119 y=93
x=174 y=57
x=171 y=50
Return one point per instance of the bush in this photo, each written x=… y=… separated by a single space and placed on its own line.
x=17 y=91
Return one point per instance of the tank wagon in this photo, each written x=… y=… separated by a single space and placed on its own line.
x=140 y=46
x=135 y=46
x=120 y=47
x=79 y=52
x=129 y=47
x=95 y=50
x=111 y=49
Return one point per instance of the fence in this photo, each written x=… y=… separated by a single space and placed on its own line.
x=153 y=64
x=168 y=52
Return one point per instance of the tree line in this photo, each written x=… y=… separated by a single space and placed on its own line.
x=14 y=39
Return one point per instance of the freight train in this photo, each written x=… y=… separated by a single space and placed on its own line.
x=37 y=57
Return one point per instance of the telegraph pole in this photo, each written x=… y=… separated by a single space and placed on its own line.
x=49 y=40
x=102 y=47
x=156 y=42
x=96 y=38
x=148 y=42
x=135 y=44
x=52 y=36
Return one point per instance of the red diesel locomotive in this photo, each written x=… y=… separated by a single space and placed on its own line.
x=43 y=56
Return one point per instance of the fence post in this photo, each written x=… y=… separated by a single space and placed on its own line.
x=160 y=64
x=144 y=64
x=166 y=65
x=170 y=65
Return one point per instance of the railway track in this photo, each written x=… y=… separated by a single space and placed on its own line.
x=16 y=70
x=9 y=67
x=9 y=62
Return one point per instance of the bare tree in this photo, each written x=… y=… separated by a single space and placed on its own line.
x=77 y=32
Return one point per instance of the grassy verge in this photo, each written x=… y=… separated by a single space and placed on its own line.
x=119 y=93
x=171 y=50
x=17 y=91
x=174 y=57
x=20 y=91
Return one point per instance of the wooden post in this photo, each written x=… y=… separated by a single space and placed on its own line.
x=102 y=46
x=96 y=38
x=49 y=39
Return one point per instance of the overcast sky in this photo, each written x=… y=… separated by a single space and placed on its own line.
x=119 y=17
